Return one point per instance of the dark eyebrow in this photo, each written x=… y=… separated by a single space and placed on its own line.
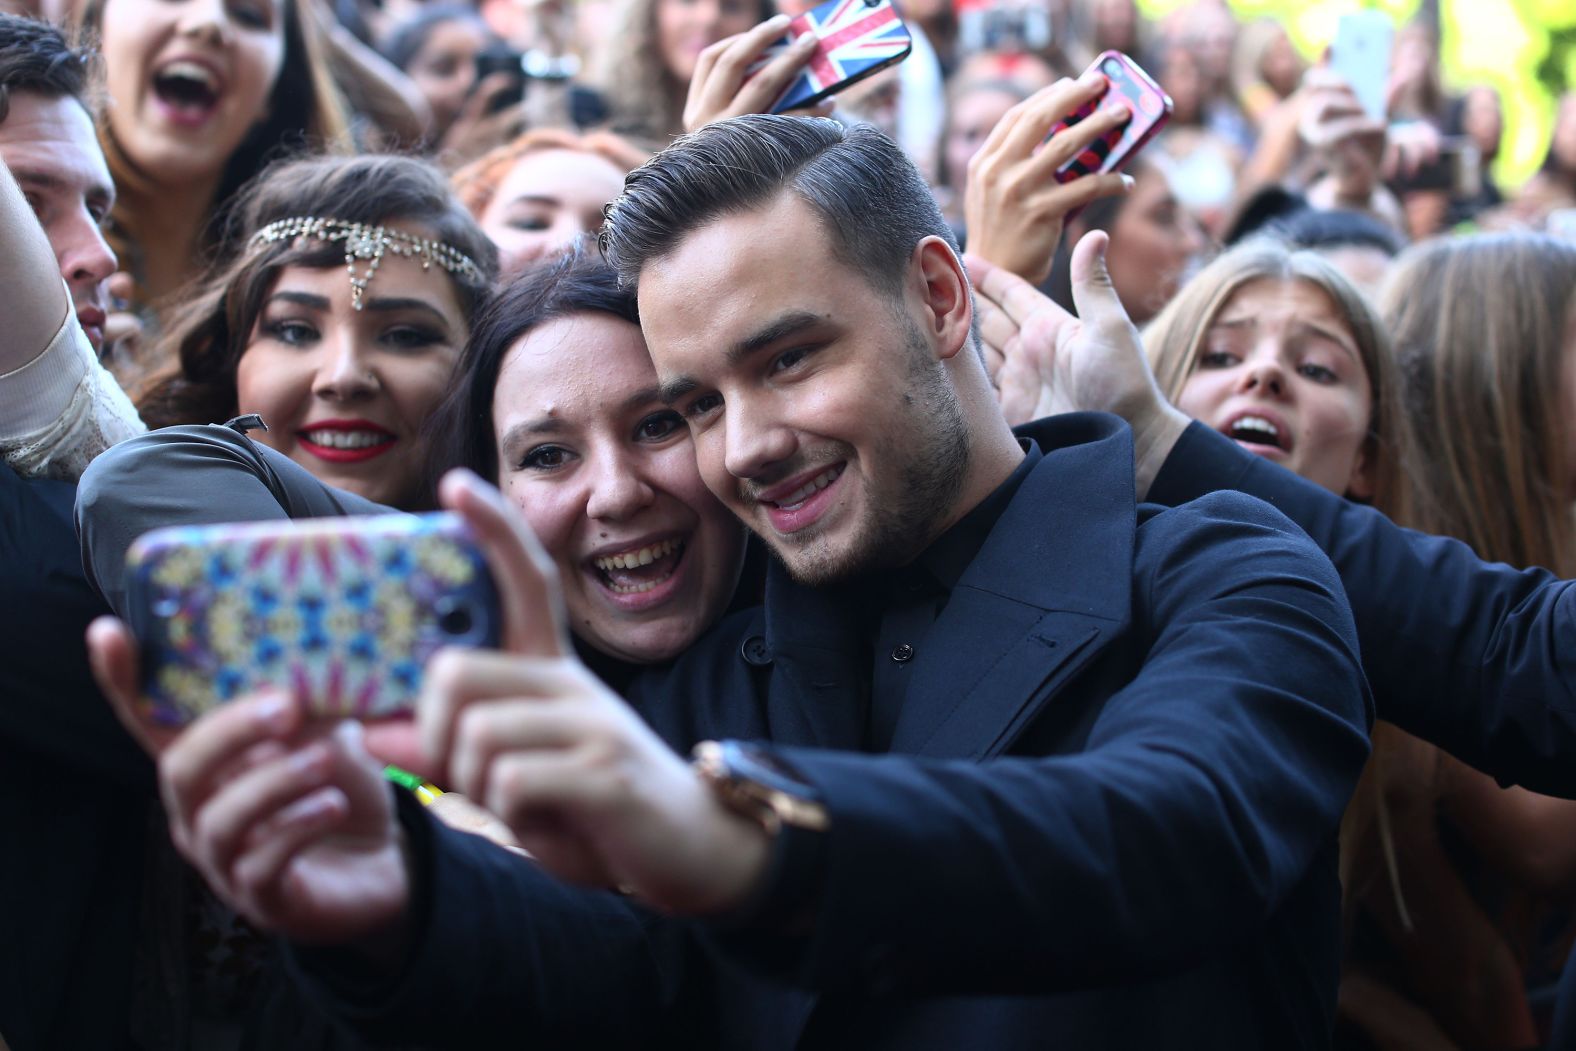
x=301 y=299
x=98 y=192
x=384 y=305
x=520 y=431
x=777 y=329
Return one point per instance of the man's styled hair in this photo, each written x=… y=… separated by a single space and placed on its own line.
x=34 y=56
x=873 y=201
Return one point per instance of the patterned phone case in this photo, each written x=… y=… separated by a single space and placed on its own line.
x=342 y=611
x=1150 y=108
x=858 y=38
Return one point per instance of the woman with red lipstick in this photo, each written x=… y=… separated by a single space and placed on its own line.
x=343 y=376
x=201 y=92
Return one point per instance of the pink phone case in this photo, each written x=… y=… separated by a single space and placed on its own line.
x=1149 y=105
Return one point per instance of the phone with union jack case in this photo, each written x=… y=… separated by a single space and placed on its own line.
x=857 y=39
x=343 y=612
x=1149 y=105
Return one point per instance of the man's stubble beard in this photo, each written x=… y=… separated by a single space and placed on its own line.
x=932 y=458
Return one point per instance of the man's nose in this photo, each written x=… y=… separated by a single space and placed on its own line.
x=86 y=260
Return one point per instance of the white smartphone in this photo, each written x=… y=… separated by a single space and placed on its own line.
x=1361 y=55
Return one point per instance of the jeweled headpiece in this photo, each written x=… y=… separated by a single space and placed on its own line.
x=369 y=244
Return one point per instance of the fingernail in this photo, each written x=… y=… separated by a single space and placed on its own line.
x=778 y=21
x=1093 y=77
x=310 y=762
x=1127 y=181
x=273 y=710
x=806 y=42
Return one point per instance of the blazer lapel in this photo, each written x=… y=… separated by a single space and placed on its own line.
x=1049 y=590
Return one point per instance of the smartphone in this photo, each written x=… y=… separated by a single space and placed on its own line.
x=1458 y=170
x=1004 y=28
x=344 y=612
x=1150 y=108
x=502 y=59
x=1361 y=55
x=857 y=39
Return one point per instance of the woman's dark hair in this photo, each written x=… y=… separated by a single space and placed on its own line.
x=211 y=331
x=410 y=36
x=578 y=281
x=1320 y=230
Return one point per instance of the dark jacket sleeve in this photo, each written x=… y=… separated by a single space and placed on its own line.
x=1475 y=657
x=1206 y=789
x=194 y=475
x=503 y=955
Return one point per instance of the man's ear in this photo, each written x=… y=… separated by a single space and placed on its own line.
x=948 y=312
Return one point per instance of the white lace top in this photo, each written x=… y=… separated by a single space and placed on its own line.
x=62 y=409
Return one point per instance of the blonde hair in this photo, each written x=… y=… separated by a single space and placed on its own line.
x=477 y=183
x=1174 y=337
x=1483 y=327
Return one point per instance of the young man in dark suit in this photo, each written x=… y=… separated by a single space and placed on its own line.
x=1004 y=760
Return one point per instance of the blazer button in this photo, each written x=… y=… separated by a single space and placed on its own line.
x=755 y=651
x=903 y=653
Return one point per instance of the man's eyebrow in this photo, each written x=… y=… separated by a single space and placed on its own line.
x=778 y=328
x=674 y=389
x=44 y=180
x=774 y=330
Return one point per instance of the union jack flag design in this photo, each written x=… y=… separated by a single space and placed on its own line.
x=858 y=38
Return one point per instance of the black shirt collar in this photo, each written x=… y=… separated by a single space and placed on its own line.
x=949 y=557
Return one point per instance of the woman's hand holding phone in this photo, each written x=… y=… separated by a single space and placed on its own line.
x=1014 y=206
x=724 y=87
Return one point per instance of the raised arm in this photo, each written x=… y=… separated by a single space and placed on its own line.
x=1208 y=787
x=190 y=476
x=33 y=299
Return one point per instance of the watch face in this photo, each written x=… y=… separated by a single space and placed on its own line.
x=764 y=767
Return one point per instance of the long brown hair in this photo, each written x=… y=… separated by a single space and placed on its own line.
x=210 y=332
x=305 y=112
x=647 y=100
x=1174 y=337
x=1483 y=327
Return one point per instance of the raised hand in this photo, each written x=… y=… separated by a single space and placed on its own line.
x=1051 y=361
x=290 y=824
x=723 y=87
x=587 y=787
x=1014 y=207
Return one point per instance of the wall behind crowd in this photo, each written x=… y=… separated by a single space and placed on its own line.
x=1525 y=48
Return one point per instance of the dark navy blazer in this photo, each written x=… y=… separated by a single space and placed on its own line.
x=1108 y=820
x=1475 y=657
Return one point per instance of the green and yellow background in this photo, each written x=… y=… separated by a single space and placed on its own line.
x=1525 y=48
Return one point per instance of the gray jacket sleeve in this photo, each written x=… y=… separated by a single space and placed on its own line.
x=194 y=475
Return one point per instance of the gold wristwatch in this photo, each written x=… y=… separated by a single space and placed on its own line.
x=757 y=784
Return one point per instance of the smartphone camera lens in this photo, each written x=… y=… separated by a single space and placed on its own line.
x=1111 y=67
x=454 y=618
